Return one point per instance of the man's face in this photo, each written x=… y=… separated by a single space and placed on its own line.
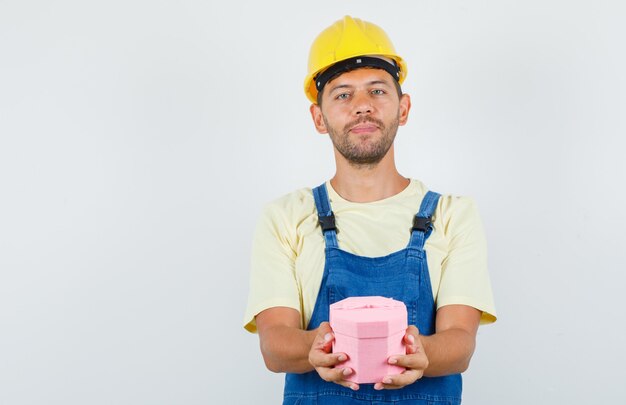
x=361 y=111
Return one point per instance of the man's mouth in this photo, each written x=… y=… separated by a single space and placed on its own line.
x=364 y=128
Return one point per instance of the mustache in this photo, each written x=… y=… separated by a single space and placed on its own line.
x=364 y=120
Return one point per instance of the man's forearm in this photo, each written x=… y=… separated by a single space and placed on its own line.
x=448 y=352
x=286 y=349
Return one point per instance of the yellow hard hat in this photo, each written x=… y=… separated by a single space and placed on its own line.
x=346 y=39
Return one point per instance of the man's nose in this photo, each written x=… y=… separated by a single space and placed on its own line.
x=362 y=103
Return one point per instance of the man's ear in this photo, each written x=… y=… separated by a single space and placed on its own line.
x=318 y=118
x=405 y=107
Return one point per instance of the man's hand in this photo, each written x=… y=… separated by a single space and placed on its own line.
x=415 y=361
x=324 y=361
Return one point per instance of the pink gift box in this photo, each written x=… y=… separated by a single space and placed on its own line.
x=369 y=330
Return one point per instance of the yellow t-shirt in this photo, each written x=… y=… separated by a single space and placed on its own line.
x=288 y=249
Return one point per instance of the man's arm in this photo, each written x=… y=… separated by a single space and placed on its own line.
x=450 y=349
x=284 y=345
x=446 y=352
x=287 y=348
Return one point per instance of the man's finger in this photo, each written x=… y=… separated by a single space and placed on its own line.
x=417 y=361
x=337 y=375
x=318 y=358
x=323 y=342
x=348 y=384
x=324 y=338
x=394 y=382
x=411 y=339
x=324 y=328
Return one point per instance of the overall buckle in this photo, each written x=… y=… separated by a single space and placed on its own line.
x=421 y=224
x=327 y=222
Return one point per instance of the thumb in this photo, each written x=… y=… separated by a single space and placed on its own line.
x=411 y=338
x=325 y=336
x=324 y=328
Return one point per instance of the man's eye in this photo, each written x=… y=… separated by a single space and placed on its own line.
x=378 y=92
x=343 y=96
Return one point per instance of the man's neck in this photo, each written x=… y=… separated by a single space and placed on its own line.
x=368 y=183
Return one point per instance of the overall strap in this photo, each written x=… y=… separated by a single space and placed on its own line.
x=422 y=222
x=325 y=215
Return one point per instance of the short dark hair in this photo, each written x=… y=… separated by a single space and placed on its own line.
x=321 y=92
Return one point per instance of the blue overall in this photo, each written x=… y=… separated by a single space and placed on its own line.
x=403 y=276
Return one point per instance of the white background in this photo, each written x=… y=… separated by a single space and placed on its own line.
x=139 y=141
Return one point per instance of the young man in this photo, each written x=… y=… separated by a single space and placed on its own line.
x=367 y=231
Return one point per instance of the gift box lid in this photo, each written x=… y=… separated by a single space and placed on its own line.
x=368 y=317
